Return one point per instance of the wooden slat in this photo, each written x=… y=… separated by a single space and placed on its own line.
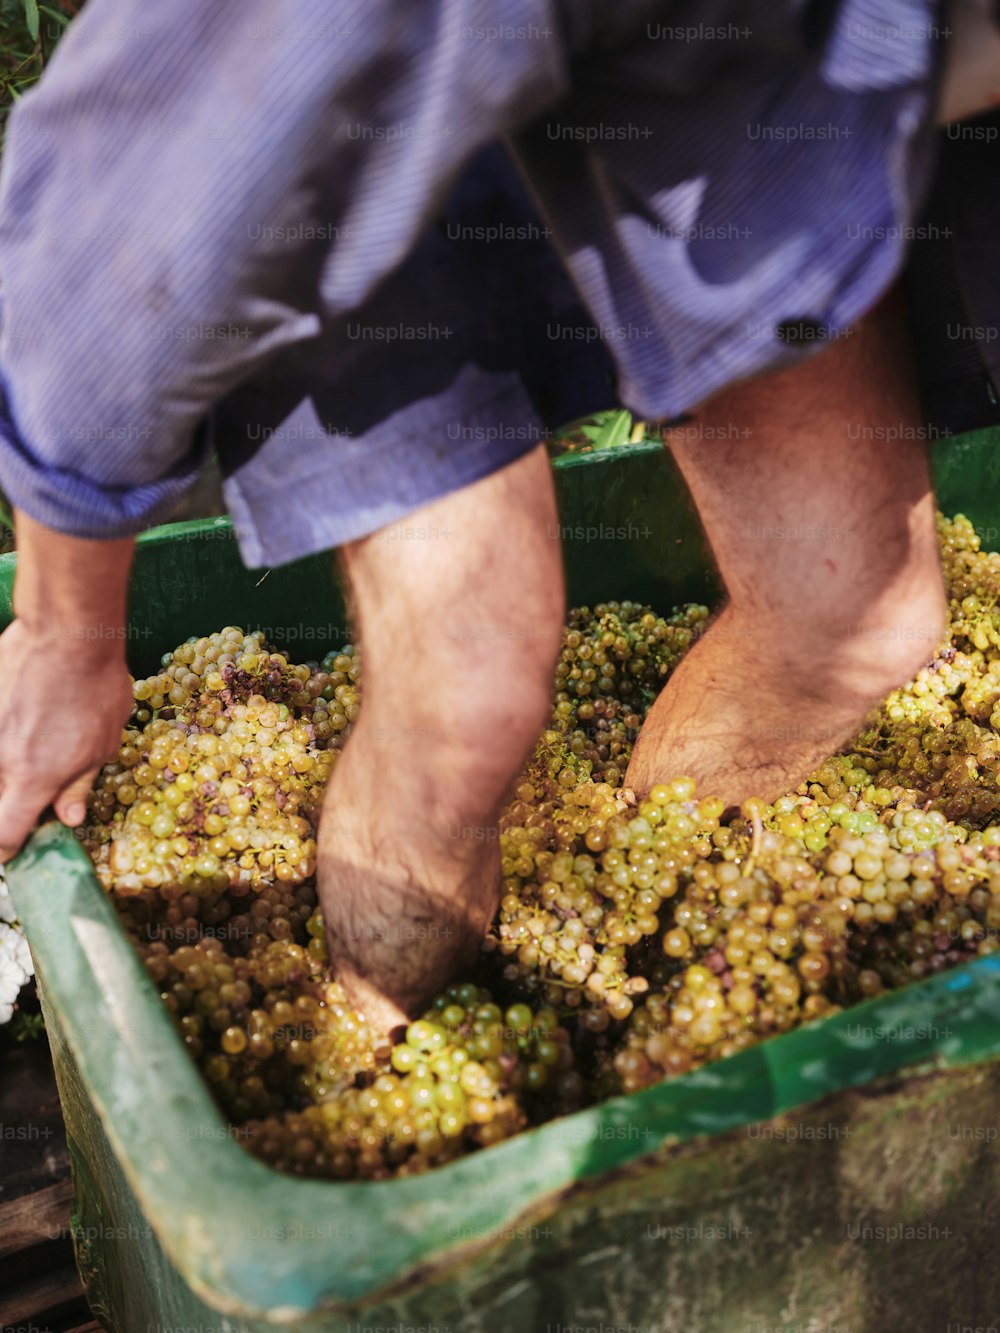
x=35 y=1251
x=35 y=1219
x=38 y=1301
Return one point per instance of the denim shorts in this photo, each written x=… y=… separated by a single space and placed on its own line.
x=723 y=186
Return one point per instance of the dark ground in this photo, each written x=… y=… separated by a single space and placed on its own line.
x=39 y=1285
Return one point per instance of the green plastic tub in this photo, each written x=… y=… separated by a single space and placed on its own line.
x=841 y=1177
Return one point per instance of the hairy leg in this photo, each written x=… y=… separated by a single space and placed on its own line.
x=460 y=627
x=821 y=515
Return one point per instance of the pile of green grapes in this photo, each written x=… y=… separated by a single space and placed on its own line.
x=635 y=939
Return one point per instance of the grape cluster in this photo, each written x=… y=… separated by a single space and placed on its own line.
x=636 y=937
x=216 y=788
x=466 y=1075
x=767 y=937
x=935 y=740
x=571 y=919
x=614 y=661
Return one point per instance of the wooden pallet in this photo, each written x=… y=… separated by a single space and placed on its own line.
x=39 y=1285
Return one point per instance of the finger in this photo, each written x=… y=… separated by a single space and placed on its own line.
x=71 y=803
x=19 y=811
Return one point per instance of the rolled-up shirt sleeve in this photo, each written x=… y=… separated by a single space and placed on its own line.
x=195 y=186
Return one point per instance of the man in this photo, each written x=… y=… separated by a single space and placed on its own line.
x=224 y=211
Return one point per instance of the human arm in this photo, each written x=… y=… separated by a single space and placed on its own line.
x=66 y=689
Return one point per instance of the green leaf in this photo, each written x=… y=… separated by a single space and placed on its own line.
x=601 y=430
x=26 y=1027
x=607 y=430
x=60 y=18
x=31 y=18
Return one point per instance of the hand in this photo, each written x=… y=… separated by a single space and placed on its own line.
x=64 y=703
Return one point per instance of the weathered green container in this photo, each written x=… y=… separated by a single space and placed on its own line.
x=842 y=1177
